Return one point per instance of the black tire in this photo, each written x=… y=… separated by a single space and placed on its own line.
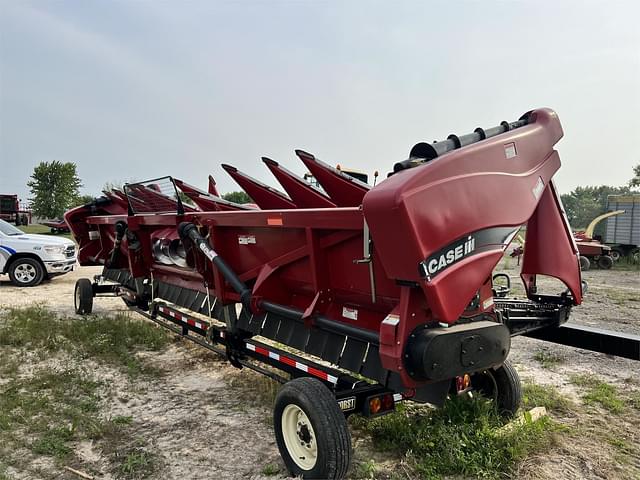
x=328 y=428
x=26 y=272
x=83 y=296
x=585 y=264
x=502 y=385
x=616 y=254
x=605 y=262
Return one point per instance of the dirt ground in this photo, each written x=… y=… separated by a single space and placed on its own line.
x=204 y=418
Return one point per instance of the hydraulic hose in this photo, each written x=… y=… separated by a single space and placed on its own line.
x=189 y=230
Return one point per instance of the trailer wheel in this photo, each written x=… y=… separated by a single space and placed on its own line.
x=605 y=262
x=585 y=264
x=26 y=272
x=616 y=254
x=83 y=296
x=311 y=430
x=502 y=385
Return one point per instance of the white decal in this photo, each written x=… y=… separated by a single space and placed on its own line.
x=487 y=303
x=246 y=239
x=350 y=313
x=538 y=189
x=510 y=150
x=347 y=404
x=451 y=256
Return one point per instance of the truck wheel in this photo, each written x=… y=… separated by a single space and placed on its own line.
x=616 y=254
x=585 y=264
x=26 y=272
x=502 y=385
x=311 y=430
x=605 y=262
x=83 y=296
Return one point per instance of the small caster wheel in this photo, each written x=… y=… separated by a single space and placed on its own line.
x=83 y=296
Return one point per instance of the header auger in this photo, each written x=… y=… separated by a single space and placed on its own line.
x=393 y=283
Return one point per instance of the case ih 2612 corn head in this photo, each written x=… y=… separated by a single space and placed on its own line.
x=361 y=297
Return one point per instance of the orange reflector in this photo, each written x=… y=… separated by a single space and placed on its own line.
x=374 y=405
x=274 y=221
x=463 y=382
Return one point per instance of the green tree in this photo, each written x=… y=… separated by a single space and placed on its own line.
x=83 y=200
x=54 y=188
x=585 y=203
x=635 y=181
x=237 y=197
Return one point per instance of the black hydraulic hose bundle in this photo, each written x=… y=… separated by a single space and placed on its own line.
x=423 y=152
x=121 y=229
x=189 y=230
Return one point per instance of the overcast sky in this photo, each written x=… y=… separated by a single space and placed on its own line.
x=135 y=90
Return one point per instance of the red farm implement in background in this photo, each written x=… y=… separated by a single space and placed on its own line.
x=12 y=211
x=379 y=294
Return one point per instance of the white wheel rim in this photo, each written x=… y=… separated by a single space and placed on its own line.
x=25 y=273
x=615 y=256
x=299 y=437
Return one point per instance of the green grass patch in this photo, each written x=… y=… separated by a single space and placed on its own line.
x=108 y=339
x=136 y=463
x=465 y=437
x=548 y=359
x=620 y=296
x=48 y=411
x=43 y=230
x=366 y=470
x=599 y=392
x=270 y=469
x=534 y=395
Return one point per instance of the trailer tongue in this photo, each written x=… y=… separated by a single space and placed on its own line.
x=384 y=293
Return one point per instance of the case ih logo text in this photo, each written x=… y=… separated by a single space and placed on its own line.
x=444 y=258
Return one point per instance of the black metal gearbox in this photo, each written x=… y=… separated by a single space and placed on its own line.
x=444 y=353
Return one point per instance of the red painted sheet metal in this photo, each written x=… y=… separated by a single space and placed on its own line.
x=464 y=191
x=551 y=249
x=345 y=191
x=213 y=190
x=206 y=201
x=263 y=195
x=302 y=193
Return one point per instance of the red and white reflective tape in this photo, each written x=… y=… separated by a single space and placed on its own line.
x=183 y=318
x=293 y=363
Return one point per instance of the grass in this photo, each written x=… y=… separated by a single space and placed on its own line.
x=136 y=463
x=464 y=437
x=548 y=359
x=112 y=340
x=534 y=395
x=48 y=407
x=599 y=392
x=270 y=469
x=42 y=230
x=46 y=412
x=366 y=470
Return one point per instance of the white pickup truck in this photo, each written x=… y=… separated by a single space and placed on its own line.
x=30 y=258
